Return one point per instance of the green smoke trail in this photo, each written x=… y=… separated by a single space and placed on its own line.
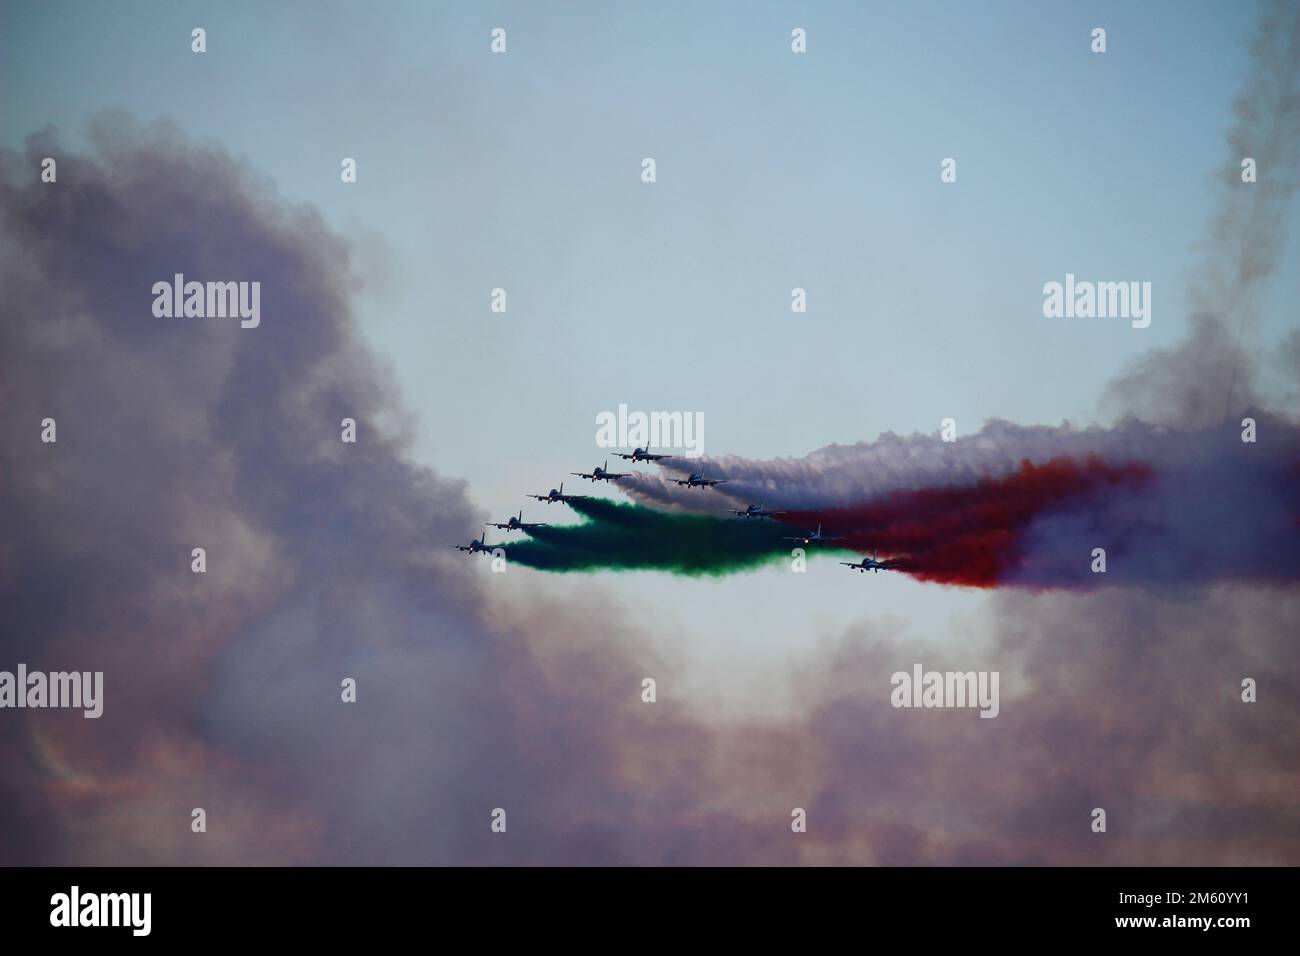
x=618 y=536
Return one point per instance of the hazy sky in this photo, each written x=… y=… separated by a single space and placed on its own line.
x=774 y=171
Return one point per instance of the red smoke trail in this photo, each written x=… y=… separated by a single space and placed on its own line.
x=970 y=535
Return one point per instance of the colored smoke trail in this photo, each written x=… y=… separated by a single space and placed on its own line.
x=971 y=535
x=619 y=536
x=1217 y=510
x=974 y=535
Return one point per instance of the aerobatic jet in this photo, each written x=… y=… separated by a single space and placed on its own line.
x=517 y=524
x=699 y=481
x=816 y=537
x=758 y=511
x=600 y=473
x=641 y=454
x=477 y=545
x=557 y=495
x=871 y=564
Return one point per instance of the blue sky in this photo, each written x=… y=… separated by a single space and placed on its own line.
x=774 y=171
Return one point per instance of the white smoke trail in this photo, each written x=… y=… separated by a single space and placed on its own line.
x=840 y=475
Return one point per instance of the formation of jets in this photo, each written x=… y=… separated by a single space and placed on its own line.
x=694 y=480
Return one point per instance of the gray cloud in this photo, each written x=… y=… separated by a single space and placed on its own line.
x=325 y=560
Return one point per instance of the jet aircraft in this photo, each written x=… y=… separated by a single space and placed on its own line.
x=557 y=494
x=641 y=454
x=517 y=523
x=699 y=481
x=816 y=537
x=476 y=546
x=758 y=511
x=601 y=474
x=871 y=564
